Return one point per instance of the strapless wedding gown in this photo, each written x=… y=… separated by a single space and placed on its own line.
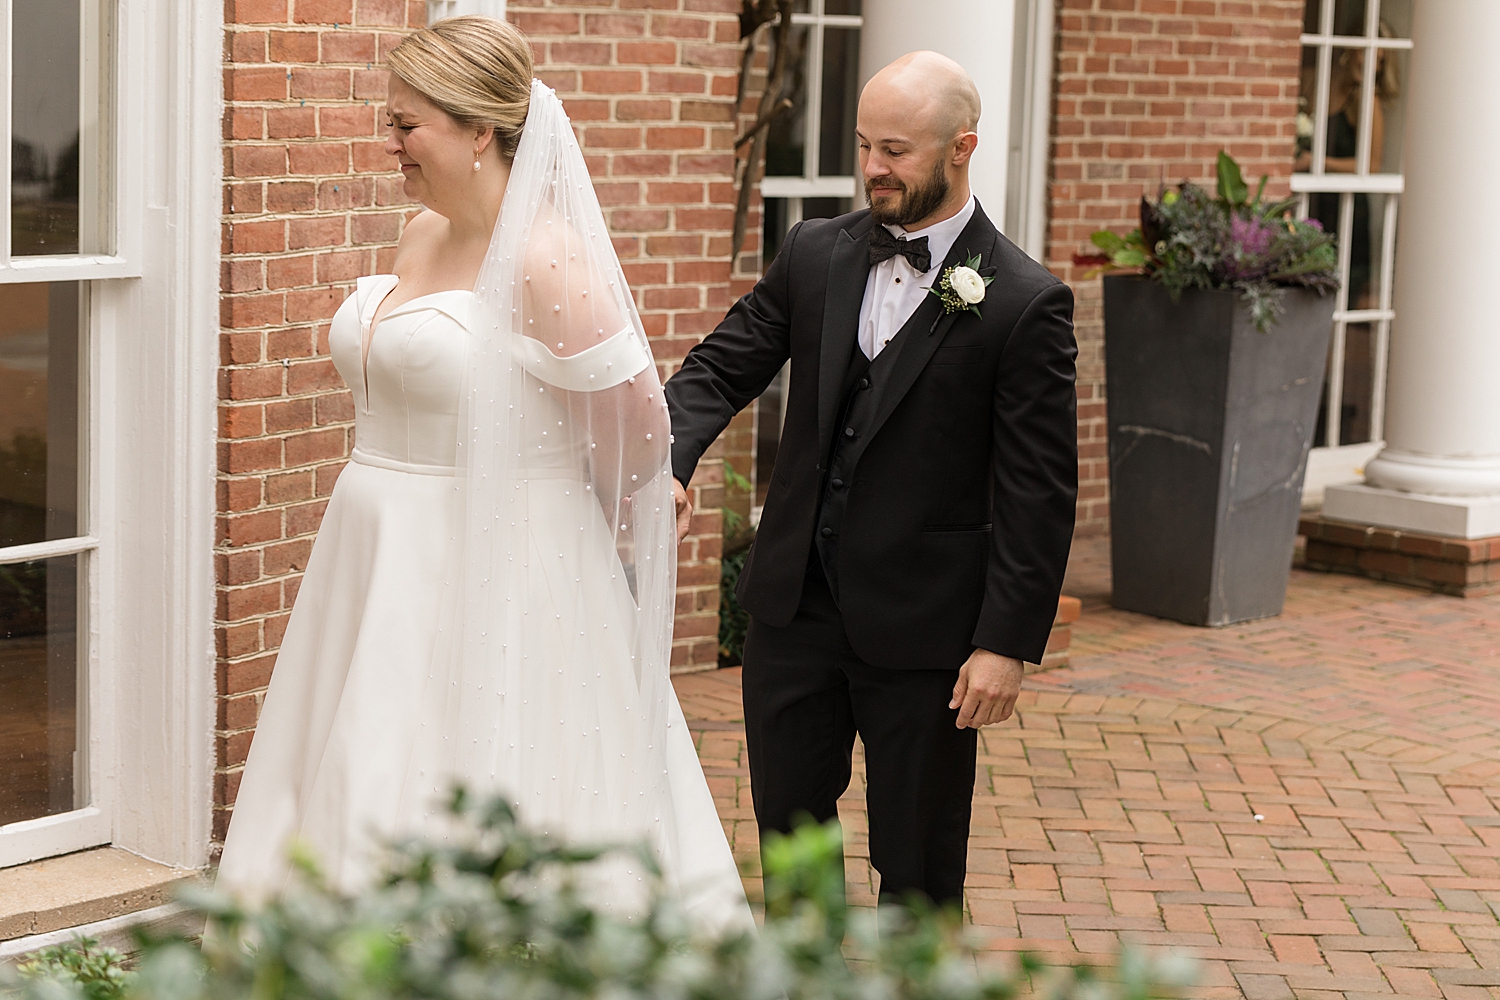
x=344 y=708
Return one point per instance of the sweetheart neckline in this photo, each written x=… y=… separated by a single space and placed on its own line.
x=367 y=336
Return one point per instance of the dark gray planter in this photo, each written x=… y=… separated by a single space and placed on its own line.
x=1210 y=423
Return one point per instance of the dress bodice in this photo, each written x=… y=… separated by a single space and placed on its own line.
x=406 y=393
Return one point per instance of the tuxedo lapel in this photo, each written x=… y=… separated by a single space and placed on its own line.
x=848 y=270
x=925 y=330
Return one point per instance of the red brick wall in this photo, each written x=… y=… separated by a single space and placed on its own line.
x=310 y=203
x=1149 y=91
x=650 y=85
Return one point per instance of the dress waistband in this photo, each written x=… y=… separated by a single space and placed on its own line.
x=415 y=468
x=396 y=465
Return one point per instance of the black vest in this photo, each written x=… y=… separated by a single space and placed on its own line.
x=863 y=381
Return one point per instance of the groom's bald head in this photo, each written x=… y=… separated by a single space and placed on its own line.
x=916 y=135
x=928 y=90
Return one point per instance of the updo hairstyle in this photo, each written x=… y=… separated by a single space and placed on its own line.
x=477 y=69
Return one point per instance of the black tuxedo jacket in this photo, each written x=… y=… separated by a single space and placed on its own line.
x=960 y=515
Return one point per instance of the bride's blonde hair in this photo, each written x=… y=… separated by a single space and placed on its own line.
x=477 y=69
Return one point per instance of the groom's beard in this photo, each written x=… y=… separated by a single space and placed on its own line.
x=913 y=204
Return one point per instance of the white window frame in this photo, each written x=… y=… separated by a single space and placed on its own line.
x=810 y=184
x=148 y=376
x=1336 y=463
x=439 y=9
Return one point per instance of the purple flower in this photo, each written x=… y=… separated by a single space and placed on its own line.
x=1315 y=223
x=1253 y=236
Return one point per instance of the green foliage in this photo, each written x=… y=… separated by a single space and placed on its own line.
x=82 y=968
x=1189 y=239
x=734 y=620
x=497 y=912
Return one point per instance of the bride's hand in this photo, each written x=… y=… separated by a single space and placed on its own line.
x=684 y=509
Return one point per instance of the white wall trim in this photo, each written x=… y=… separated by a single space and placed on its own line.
x=1031 y=127
x=159 y=353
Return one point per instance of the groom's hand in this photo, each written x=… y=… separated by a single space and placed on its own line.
x=684 y=509
x=987 y=688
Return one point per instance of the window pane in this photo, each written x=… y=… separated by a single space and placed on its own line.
x=1366 y=250
x=1349 y=17
x=775 y=221
x=39 y=411
x=854 y=7
x=41 y=766
x=1359 y=383
x=824 y=208
x=45 y=122
x=1395 y=18
x=786 y=144
x=840 y=99
x=1312 y=17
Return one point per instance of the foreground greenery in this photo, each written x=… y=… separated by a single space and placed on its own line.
x=498 y=913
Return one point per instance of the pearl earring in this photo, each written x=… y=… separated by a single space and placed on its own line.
x=476 y=166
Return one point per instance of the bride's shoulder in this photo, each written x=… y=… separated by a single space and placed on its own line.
x=421 y=232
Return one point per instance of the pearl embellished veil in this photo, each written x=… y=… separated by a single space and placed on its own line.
x=551 y=680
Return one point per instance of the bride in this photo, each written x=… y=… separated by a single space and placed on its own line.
x=490 y=597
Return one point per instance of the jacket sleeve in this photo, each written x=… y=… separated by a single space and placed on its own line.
x=732 y=366
x=1035 y=474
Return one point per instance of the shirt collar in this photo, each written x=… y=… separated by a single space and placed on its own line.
x=940 y=235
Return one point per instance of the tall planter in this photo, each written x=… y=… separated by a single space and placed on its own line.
x=1210 y=423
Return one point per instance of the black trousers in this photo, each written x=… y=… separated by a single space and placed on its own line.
x=806 y=696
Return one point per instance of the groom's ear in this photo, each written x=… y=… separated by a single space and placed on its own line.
x=964 y=145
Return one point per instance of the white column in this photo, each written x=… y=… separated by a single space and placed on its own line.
x=1440 y=470
x=977 y=34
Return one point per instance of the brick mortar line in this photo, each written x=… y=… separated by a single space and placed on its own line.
x=1327 y=738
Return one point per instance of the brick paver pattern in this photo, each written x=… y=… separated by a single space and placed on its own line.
x=1307 y=803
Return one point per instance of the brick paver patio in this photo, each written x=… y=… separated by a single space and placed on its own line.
x=1308 y=803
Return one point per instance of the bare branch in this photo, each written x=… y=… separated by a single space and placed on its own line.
x=764 y=121
x=775 y=85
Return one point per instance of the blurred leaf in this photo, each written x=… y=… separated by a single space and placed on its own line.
x=1232 y=188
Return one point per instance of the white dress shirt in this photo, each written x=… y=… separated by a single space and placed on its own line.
x=894 y=288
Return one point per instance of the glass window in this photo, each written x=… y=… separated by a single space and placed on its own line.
x=57 y=198
x=57 y=65
x=40 y=725
x=786 y=139
x=809 y=179
x=1347 y=162
x=41 y=599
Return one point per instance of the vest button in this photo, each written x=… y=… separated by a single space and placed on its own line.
x=864 y=383
x=848 y=432
x=838 y=484
x=827 y=532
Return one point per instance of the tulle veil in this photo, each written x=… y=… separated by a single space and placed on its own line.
x=558 y=363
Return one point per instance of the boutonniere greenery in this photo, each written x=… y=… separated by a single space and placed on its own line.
x=961 y=288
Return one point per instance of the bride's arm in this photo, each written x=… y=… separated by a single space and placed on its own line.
x=573 y=312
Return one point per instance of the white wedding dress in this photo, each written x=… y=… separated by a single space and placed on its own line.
x=349 y=703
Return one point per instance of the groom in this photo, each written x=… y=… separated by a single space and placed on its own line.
x=912 y=546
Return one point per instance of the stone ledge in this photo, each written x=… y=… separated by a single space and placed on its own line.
x=84 y=888
x=1069 y=609
x=1462 y=567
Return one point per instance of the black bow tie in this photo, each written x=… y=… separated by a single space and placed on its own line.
x=884 y=246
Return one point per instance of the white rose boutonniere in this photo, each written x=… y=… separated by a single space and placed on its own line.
x=968 y=284
x=961 y=288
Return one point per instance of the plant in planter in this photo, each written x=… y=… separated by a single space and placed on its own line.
x=1215 y=351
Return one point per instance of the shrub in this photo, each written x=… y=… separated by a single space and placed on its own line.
x=81 y=968
x=496 y=912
